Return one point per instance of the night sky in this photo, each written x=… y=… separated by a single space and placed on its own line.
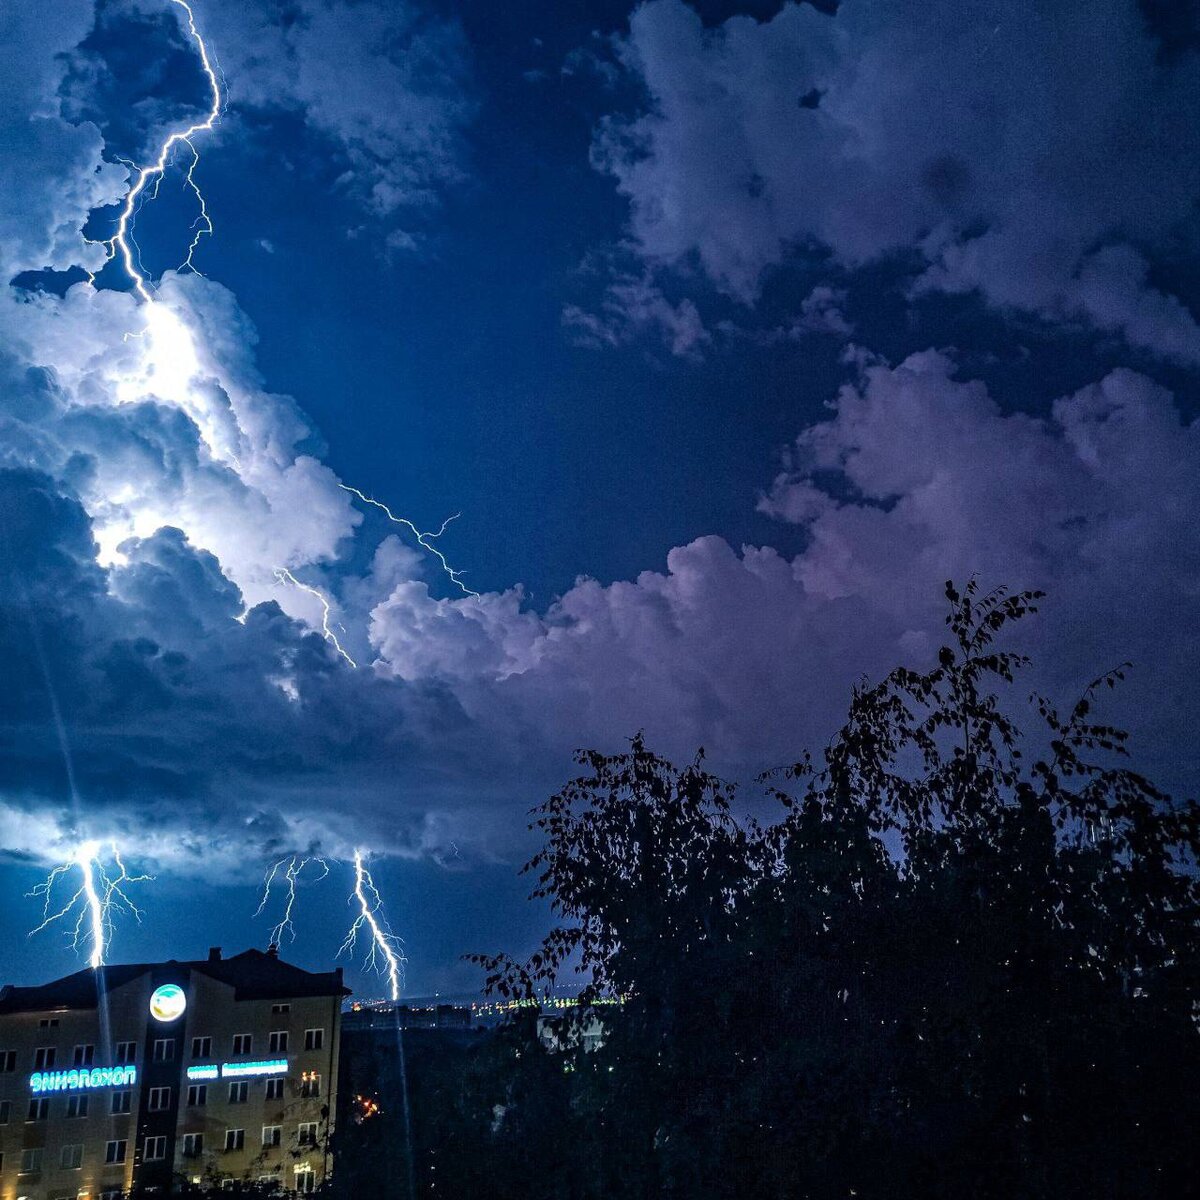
x=732 y=331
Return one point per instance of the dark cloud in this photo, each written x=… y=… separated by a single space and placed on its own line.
x=1041 y=156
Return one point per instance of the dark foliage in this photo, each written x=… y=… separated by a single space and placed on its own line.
x=964 y=963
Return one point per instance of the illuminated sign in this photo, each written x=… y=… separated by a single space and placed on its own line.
x=241 y=1070
x=167 y=1002
x=76 y=1080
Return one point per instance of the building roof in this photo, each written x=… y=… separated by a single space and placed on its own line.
x=253 y=975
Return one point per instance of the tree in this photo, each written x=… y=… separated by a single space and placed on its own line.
x=962 y=963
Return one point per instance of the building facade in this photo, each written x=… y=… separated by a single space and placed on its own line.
x=138 y=1077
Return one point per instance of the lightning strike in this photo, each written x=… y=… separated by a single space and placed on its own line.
x=100 y=894
x=119 y=245
x=384 y=953
x=285 y=576
x=291 y=866
x=420 y=535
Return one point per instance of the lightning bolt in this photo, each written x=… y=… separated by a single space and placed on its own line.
x=384 y=953
x=285 y=576
x=122 y=244
x=291 y=867
x=424 y=538
x=100 y=894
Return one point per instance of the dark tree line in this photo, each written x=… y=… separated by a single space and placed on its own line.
x=962 y=964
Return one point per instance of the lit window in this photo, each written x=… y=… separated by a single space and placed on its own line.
x=164 y=1049
x=114 y=1152
x=77 y=1106
x=43 y=1058
x=85 y=1056
x=239 y=1091
x=155 y=1148
x=272 y=1135
x=279 y=1041
x=310 y=1085
x=193 y=1145
x=197 y=1095
x=306 y=1134
x=39 y=1108
x=202 y=1047
x=31 y=1160
x=242 y=1043
x=160 y=1099
x=235 y=1139
x=70 y=1158
x=274 y=1089
x=122 y=1102
x=314 y=1039
x=126 y=1053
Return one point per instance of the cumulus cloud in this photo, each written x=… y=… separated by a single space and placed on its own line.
x=1035 y=156
x=150 y=485
x=389 y=83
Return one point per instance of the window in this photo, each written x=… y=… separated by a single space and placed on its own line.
x=314 y=1039
x=306 y=1135
x=164 y=1050
x=70 y=1158
x=116 y=1194
x=43 y=1058
x=306 y=1180
x=274 y=1089
x=197 y=1095
x=85 y=1056
x=242 y=1043
x=5 y=1110
x=48 y=1023
x=279 y=1041
x=39 y=1108
x=160 y=1099
x=31 y=1160
x=114 y=1152
x=202 y=1047
x=239 y=1091
x=155 y=1148
x=276 y=1009
x=121 y=1102
x=272 y=1135
x=271 y=1182
x=193 y=1145
x=77 y=1106
x=8 y=1061
x=235 y=1139
x=126 y=1053
x=310 y=1085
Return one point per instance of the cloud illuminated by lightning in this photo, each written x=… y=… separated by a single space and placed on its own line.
x=424 y=538
x=291 y=866
x=285 y=576
x=119 y=245
x=100 y=894
x=384 y=954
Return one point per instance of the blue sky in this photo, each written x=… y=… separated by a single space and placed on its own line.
x=730 y=331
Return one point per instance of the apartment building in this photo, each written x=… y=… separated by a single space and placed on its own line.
x=143 y=1075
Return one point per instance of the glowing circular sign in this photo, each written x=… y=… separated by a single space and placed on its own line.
x=167 y=1002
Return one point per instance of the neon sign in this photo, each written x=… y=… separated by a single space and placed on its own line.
x=167 y=1002
x=76 y=1080
x=242 y=1070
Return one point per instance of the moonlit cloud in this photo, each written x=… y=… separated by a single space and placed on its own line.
x=1033 y=155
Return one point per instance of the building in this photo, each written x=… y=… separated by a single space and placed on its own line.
x=138 y=1076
